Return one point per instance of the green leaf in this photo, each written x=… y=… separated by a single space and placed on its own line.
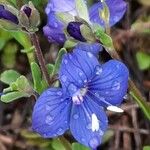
x=143 y=60
x=104 y=38
x=37 y=77
x=77 y=146
x=146 y=148
x=142 y=104
x=107 y=136
x=9 y=76
x=70 y=43
x=23 y=84
x=50 y=68
x=82 y=10
x=9 y=55
x=59 y=59
x=22 y=38
x=57 y=145
x=9 y=97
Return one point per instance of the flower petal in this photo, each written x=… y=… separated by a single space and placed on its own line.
x=51 y=113
x=77 y=68
x=64 y=6
x=94 y=48
x=109 y=85
x=117 y=9
x=88 y=123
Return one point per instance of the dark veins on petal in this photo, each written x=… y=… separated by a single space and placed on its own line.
x=7 y=15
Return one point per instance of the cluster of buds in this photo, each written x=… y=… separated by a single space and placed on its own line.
x=26 y=19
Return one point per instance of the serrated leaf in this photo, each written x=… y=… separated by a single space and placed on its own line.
x=59 y=59
x=82 y=9
x=65 y=17
x=37 y=77
x=143 y=60
x=9 y=76
x=77 y=146
x=9 y=97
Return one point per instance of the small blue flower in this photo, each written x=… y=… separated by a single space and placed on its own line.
x=87 y=89
x=54 y=28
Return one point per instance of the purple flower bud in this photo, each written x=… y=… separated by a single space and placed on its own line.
x=7 y=15
x=27 y=10
x=73 y=29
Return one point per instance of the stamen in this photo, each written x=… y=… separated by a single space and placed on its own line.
x=115 y=109
x=95 y=123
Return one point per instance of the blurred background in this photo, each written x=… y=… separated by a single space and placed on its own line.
x=127 y=131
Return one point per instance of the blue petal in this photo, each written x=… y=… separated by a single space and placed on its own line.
x=51 y=113
x=81 y=123
x=117 y=9
x=110 y=83
x=77 y=68
x=64 y=6
x=54 y=35
x=94 y=48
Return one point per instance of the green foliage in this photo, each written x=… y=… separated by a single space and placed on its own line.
x=57 y=145
x=4 y=37
x=39 y=84
x=77 y=146
x=107 y=136
x=9 y=97
x=18 y=86
x=9 y=55
x=104 y=38
x=9 y=76
x=58 y=60
x=142 y=104
x=82 y=10
x=143 y=60
x=50 y=68
x=146 y=148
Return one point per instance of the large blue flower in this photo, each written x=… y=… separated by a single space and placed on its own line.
x=87 y=89
x=54 y=28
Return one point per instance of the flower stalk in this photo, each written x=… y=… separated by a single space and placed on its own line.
x=40 y=57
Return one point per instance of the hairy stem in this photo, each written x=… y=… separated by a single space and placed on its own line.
x=40 y=57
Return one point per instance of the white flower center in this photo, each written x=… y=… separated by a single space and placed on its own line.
x=77 y=97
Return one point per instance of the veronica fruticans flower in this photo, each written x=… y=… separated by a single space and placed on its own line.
x=87 y=88
x=54 y=28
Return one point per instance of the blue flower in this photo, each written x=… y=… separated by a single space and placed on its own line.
x=54 y=28
x=87 y=88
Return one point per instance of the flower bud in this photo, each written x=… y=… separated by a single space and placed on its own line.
x=29 y=17
x=73 y=30
x=9 y=17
